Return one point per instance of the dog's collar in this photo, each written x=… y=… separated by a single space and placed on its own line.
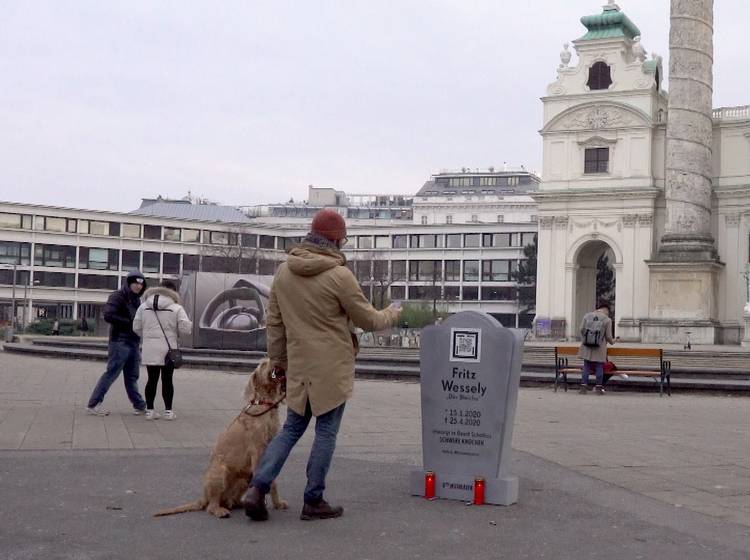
x=262 y=402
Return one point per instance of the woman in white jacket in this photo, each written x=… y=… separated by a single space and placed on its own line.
x=165 y=302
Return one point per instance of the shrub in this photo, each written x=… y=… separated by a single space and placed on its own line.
x=418 y=315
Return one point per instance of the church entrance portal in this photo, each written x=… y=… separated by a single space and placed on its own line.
x=594 y=280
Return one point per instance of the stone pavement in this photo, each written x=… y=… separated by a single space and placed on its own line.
x=631 y=475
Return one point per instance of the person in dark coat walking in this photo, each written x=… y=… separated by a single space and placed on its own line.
x=124 y=355
x=84 y=327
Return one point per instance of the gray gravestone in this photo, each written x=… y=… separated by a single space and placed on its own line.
x=470 y=371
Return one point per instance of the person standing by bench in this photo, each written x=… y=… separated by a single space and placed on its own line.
x=596 y=332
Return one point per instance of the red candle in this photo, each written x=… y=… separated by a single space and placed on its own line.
x=429 y=485
x=478 y=491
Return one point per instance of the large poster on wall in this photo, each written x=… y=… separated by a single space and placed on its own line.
x=228 y=310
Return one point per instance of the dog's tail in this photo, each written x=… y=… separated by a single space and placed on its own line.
x=197 y=505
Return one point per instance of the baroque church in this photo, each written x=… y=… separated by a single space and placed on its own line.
x=657 y=181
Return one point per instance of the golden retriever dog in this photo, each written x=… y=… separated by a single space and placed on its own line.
x=240 y=447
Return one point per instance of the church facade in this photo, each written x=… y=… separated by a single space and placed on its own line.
x=605 y=190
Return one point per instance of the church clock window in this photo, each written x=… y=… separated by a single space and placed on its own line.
x=596 y=160
x=600 y=76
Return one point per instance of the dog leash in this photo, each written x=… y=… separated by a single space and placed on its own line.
x=271 y=405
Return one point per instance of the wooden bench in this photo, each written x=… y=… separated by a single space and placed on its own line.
x=640 y=358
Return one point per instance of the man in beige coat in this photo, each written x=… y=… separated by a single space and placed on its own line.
x=314 y=301
x=594 y=356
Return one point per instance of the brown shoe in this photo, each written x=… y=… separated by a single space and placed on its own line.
x=583 y=390
x=255 y=504
x=320 y=511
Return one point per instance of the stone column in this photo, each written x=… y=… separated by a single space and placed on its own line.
x=683 y=279
x=689 y=168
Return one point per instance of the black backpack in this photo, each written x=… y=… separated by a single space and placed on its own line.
x=593 y=330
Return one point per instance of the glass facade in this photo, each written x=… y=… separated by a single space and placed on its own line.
x=172 y=234
x=12 y=252
x=98 y=259
x=132 y=231
x=15 y=221
x=98 y=282
x=471 y=271
x=55 y=255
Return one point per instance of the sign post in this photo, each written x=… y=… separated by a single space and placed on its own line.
x=470 y=369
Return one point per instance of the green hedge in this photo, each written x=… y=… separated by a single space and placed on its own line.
x=68 y=327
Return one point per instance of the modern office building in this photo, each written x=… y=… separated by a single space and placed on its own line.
x=366 y=209
x=66 y=261
x=468 y=196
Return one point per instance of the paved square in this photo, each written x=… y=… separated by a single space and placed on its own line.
x=690 y=453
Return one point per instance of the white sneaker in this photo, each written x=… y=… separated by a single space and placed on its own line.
x=624 y=376
x=97 y=410
x=152 y=415
x=138 y=411
x=169 y=415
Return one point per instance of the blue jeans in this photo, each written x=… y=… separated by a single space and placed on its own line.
x=599 y=368
x=326 y=429
x=125 y=357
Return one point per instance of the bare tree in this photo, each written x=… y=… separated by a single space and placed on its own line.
x=374 y=274
x=234 y=251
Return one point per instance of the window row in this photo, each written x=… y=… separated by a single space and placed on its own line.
x=149 y=262
x=440 y=241
x=487 y=181
x=495 y=270
x=64 y=256
x=135 y=231
x=47 y=279
x=454 y=293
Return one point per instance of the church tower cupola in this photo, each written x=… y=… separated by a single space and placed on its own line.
x=611 y=58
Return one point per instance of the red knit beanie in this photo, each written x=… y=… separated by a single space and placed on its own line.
x=330 y=224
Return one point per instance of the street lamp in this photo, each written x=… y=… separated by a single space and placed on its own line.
x=13 y=301
x=27 y=300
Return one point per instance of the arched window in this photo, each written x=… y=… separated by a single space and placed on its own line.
x=600 y=76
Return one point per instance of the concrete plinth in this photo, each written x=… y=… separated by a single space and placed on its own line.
x=683 y=303
x=656 y=331
x=628 y=330
x=746 y=318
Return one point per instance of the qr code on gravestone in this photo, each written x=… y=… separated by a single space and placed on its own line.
x=465 y=345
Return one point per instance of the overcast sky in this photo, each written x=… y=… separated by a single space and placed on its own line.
x=247 y=102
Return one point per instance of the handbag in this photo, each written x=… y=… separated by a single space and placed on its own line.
x=174 y=355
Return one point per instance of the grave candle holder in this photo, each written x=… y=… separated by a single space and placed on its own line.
x=429 y=485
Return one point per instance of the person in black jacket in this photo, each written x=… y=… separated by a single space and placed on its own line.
x=124 y=355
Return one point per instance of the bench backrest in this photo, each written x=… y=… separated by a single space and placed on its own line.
x=635 y=352
x=615 y=351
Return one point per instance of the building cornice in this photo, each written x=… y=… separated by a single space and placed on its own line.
x=591 y=96
x=742 y=191
x=588 y=194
